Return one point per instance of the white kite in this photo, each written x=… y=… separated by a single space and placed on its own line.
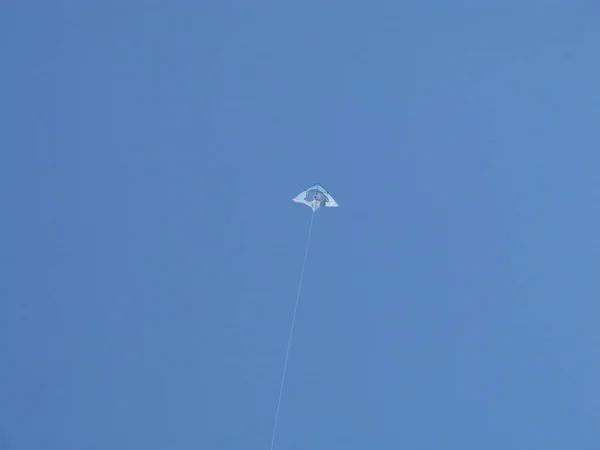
x=315 y=197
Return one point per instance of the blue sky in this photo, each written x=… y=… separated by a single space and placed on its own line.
x=151 y=250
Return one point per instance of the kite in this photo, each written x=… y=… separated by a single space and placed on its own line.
x=314 y=197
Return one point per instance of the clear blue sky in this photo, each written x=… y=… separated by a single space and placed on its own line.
x=150 y=249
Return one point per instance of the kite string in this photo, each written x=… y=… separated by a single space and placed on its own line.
x=287 y=353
